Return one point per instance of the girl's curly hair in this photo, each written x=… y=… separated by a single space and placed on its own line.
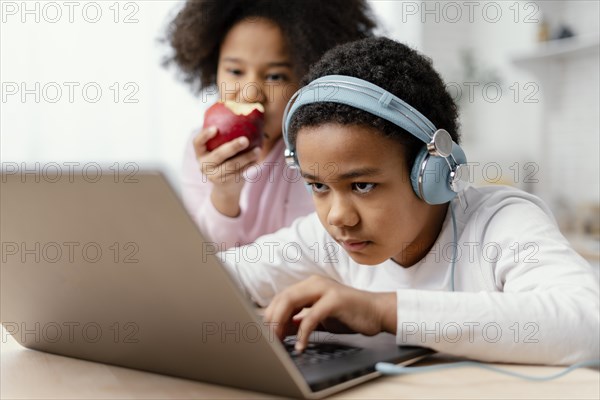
x=311 y=27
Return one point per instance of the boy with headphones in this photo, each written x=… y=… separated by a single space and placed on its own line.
x=398 y=243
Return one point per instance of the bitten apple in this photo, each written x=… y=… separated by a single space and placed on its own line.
x=234 y=120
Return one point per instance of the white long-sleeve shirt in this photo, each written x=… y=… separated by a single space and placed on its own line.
x=522 y=294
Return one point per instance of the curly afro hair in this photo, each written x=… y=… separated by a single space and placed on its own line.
x=311 y=27
x=391 y=66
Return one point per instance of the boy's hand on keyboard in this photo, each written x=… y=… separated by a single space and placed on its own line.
x=361 y=311
x=331 y=325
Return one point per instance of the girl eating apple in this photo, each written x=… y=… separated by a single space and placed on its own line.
x=252 y=52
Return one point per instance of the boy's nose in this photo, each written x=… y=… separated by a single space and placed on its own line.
x=342 y=213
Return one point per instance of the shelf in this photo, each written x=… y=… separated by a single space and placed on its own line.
x=558 y=49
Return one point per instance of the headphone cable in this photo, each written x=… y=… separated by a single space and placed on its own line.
x=391 y=369
x=455 y=250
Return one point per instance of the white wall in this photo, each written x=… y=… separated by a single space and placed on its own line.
x=396 y=20
x=498 y=120
x=148 y=122
x=571 y=123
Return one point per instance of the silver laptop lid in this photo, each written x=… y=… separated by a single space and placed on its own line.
x=114 y=270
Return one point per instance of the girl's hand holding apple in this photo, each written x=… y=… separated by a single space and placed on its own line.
x=221 y=149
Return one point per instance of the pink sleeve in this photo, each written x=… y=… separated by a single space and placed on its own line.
x=196 y=190
x=272 y=198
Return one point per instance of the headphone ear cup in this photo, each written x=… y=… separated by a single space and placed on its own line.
x=434 y=174
x=416 y=170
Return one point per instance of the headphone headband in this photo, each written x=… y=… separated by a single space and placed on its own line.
x=363 y=95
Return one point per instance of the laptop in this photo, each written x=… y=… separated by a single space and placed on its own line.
x=109 y=267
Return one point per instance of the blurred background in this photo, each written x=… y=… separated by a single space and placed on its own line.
x=82 y=82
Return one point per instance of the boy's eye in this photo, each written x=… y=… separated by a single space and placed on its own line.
x=317 y=187
x=362 y=187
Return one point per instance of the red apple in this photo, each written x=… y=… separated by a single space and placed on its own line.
x=234 y=120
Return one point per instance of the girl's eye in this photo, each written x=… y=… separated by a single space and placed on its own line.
x=235 y=72
x=276 y=77
x=317 y=187
x=362 y=187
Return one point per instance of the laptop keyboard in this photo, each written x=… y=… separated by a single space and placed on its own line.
x=315 y=353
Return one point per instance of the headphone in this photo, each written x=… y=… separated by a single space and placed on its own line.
x=440 y=169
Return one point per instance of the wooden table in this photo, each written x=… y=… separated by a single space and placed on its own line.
x=29 y=374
